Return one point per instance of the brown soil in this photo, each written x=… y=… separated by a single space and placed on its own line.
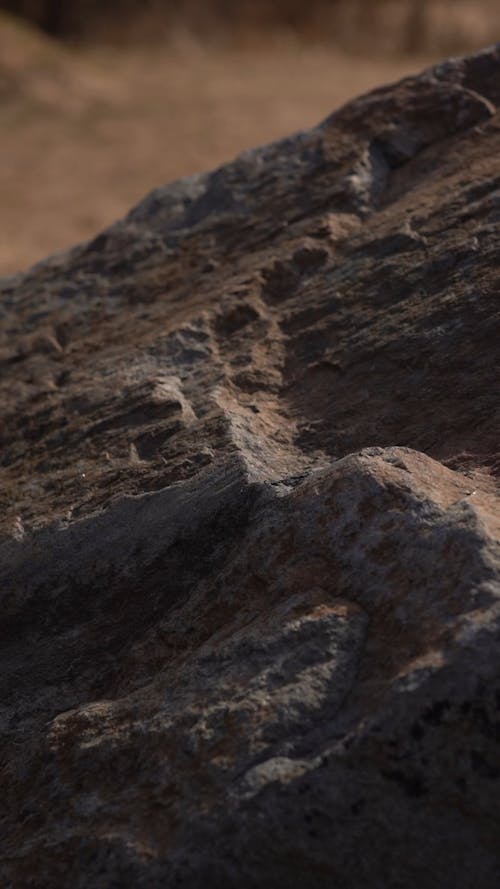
x=87 y=134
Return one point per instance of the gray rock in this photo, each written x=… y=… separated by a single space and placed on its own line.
x=249 y=536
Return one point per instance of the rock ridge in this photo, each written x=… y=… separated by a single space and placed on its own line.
x=249 y=525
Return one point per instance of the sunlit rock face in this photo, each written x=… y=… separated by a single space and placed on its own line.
x=249 y=559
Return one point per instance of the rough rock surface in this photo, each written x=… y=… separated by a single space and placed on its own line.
x=249 y=555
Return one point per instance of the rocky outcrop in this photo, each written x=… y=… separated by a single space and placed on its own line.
x=249 y=561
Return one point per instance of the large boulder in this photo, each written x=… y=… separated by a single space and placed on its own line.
x=249 y=554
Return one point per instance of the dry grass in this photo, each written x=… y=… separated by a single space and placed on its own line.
x=442 y=25
x=87 y=133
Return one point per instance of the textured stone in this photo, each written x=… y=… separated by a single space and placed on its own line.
x=249 y=553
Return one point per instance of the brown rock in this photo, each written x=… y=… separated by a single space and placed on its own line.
x=250 y=539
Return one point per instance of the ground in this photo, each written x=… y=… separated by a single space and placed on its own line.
x=86 y=134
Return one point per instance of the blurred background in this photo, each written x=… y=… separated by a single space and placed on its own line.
x=102 y=100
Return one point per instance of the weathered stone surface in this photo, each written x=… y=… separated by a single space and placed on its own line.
x=250 y=532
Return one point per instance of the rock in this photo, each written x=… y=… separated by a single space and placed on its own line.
x=249 y=519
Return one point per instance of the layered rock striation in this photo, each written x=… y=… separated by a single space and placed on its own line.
x=249 y=525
